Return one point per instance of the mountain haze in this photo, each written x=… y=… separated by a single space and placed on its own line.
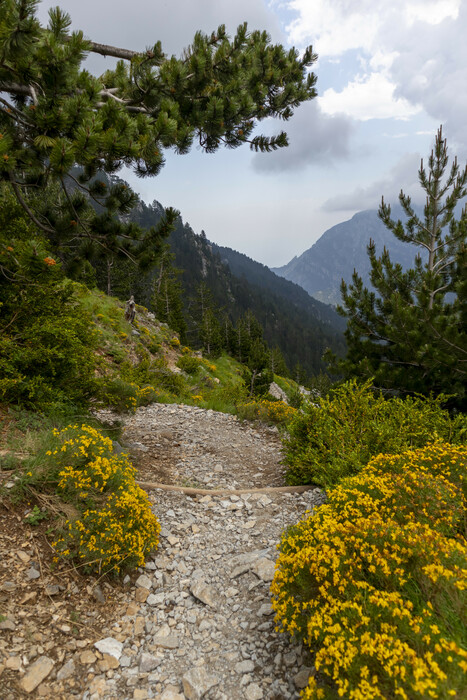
x=340 y=250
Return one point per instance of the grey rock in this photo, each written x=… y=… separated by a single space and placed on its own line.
x=253 y=692
x=32 y=573
x=117 y=448
x=290 y=658
x=277 y=392
x=197 y=682
x=143 y=581
x=110 y=646
x=264 y=569
x=52 y=589
x=67 y=670
x=8 y=586
x=155 y=599
x=166 y=642
x=244 y=667
x=7 y=625
x=302 y=677
x=148 y=663
x=171 y=695
x=265 y=609
x=206 y=594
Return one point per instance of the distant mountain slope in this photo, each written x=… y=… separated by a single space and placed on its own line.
x=300 y=326
x=254 y=272
x=340 y=250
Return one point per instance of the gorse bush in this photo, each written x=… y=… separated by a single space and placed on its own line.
x=375 y=582
x=337 y=436
x=114 y=527
x=126 y=396
x=276 y=412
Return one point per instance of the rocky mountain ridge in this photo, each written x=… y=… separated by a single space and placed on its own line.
x=340 y=250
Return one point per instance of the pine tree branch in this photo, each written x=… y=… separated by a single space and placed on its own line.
x=440 y=289
x=88 y=193
x=15 y=114
x=15 y=88
x=452 y=345
x=105 y=50
x=26 y=208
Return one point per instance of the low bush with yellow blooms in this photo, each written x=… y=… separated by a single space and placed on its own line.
x=115 y=528
x=374 y=583
x=276 y=412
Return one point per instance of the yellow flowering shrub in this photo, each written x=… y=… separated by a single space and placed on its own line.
x=375 y=582
x=277 y=412
x=125 y=395
x=115 y=528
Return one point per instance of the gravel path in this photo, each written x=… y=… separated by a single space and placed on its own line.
x=197 y=622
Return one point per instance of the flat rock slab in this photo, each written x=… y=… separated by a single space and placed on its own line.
x=206 y=594
x=110 y=646
x=37 y=672
x=197 y=682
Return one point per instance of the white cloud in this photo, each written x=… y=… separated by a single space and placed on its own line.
x=415 y=57
x=140 y=23
x=314 y=138
x=335 y=26
x=404 y=175
x=369 y=97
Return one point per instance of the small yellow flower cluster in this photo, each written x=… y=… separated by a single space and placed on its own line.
x=375 y=581
x=277 y=412
x=127 y=396
x=175 y=343
x=116 y=527
x=208 y=365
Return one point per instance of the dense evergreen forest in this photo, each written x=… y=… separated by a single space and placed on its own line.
x=299 y=326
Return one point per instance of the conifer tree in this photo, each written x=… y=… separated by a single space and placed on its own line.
x=55 y=116
x=277 y=363
x=410 y=333
x=205 y=317
x=168 y=304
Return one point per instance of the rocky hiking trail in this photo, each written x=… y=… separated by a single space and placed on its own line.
x=196 y=621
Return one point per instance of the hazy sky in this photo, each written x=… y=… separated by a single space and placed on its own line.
x=389 y=73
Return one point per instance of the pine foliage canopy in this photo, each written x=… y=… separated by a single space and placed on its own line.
x=55 y=116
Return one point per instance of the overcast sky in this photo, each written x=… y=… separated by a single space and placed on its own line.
x=389 y=73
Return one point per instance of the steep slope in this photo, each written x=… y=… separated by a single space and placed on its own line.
x=261 y=276
x=301 y=327
x=340 y=250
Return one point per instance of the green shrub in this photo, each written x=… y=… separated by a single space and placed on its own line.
x=124 y=396
x=46 y=337
x=374 y=583
x=339 y=435
x=189 y=364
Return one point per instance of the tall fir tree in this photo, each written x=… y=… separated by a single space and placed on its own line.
x=205 y=319
x=167 y=299
x=277 y=363
x=410 y=333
